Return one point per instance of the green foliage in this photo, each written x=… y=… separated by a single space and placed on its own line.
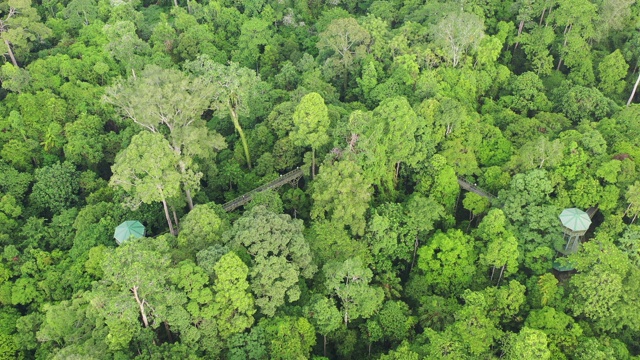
x=55 y=187
x=448 y=261
x=349 y=282
x=202 y=227
x=232 y=303
x=528 y=344
x=387 y=107
x=280 y=254
x=342 y=194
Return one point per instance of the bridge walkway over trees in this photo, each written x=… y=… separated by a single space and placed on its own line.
x=291 y=177
x=471 y=187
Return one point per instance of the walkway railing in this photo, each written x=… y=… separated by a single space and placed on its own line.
x=291 y=177
x=470 y=187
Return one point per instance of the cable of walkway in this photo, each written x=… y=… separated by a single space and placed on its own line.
x=246 y=197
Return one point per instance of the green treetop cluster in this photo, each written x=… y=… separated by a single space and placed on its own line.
x=162 y=111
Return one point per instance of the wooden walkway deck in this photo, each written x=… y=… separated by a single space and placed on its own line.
x=470 y=187
x=291 y=177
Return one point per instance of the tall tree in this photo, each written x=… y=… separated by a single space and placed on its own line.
x=325 y=317
x=457 y=34
x=448 y=262
x=19 y=27
x=280 y=253
x=342 y=194
x=161 y=99
x=233 y=89
x=232 y=302
x=146 y=170
x=311 y=121
x=343 y=43
x=349 y=282
x=134 y=289
x=386 y=138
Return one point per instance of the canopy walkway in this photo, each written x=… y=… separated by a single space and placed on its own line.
x=592 y=211
x=471 y=187
x=291 y=177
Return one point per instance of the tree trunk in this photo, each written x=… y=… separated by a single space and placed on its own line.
x=324 y=345
x=493 y=270
x=501 y=272
x=313 y=163
x=520 y=27
x=542 y=16
x=633 y=92
x=175 y=217
x=13 y=58
x=187 y=192
x=175 y=3
x=141 y=305
x=166 y=214
x=415 y=251
x=236 y=124
x=166 y=328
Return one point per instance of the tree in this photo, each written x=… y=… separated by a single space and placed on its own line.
x=311 y=121
x=146 y=170
x=536 y=46
x=473 y=329
x=386 y=138
x=134 y=289
x=81 y=12
x=20 y=27
x=541 y=153
x=171 y=99
x=325 y=317
x=633 y=198
x=395 y=321
x=232 y=303
x=448 y=262
x=342 y=194
x=85 y=140
x=201 y=227
x=501 y=253
x=255 y=33
x=288 y=337
x=561 y=329
x=56 y=187
x=602 y=291
x=349 y=282
x=475 y=204
x=611 y=72
x=343 y=43
x=458 y=33
x=233 y=89
x=527 y=94
x=528 y=344
x=280 y=254
x=125 y=46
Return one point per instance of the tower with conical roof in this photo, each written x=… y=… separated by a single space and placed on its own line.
x=575 y=224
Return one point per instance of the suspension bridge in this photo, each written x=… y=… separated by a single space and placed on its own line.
x=291 y=178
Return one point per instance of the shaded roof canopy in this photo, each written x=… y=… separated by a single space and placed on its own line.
x=127 y=230
x=575 y=219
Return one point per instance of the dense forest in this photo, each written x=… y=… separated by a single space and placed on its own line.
x=436 y=142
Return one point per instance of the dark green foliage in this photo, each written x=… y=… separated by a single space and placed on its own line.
x=55 y=187
x=439 y=142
